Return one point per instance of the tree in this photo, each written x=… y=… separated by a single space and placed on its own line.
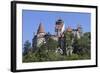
x=27 y=45
x=46 y=51
x=41 y=53
x=68 y=37
x=82 y=45
x=51 y=44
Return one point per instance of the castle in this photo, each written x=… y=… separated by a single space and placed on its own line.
x=39 y=38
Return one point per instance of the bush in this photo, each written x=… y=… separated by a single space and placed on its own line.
x=73 y=57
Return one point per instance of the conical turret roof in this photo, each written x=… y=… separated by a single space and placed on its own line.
x=40 y=29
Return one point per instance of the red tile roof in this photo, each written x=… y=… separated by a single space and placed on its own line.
x=69 y=29
x=40 y=29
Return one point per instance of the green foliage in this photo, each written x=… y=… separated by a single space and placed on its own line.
x=30 y=57
x=51 y=44
x=46 y=52
x=27 y=45
x=73 y=57
x=51 y=56
x=68 y=36
x=82 y=46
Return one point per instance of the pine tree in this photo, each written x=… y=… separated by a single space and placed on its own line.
x=27 y=45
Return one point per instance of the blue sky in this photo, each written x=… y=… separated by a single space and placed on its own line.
x=31 y=20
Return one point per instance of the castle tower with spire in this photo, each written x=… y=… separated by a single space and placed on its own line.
x=59 y=27
x=40 y=31
x=39 y=39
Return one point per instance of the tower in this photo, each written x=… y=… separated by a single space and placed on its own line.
x=40 y=35
x=39 y=38
x=79 y=31
x=40 y=31
x=59 y=27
